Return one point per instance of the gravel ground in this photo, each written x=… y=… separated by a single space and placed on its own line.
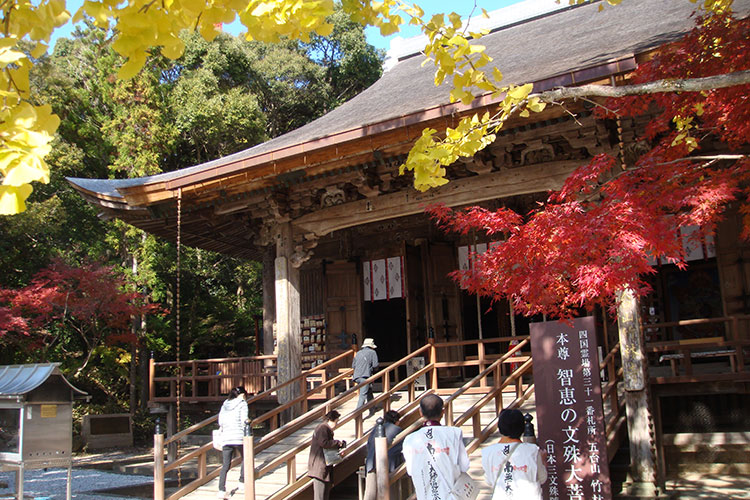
x=86 y=484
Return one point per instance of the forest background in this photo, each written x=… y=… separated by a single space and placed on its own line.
x=99 y=296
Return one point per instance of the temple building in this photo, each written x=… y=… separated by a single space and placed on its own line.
x=348 y=251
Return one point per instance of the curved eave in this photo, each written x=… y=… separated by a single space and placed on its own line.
x=17 y=380
x=116 y=203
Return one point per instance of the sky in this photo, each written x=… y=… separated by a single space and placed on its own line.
x=462 y=7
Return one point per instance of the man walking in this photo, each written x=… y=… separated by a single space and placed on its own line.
x=435 y=455
x=365 y=363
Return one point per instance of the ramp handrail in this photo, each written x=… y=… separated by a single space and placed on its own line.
x=262 y=395
x=201 y=453
x=279 y=433
x=290 y=459
x=490 y=382
x=481 y=434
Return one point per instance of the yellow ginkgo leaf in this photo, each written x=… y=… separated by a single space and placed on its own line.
x=520 y=92
x=9 y=56
x=27 y=172
x=131 y=67
x=12 y=199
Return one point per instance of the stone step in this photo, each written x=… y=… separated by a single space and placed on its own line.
x=740 y=469
x=707 y=453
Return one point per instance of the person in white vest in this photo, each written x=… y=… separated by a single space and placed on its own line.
x=232 y=424
x=514 y=470
x=435 y=455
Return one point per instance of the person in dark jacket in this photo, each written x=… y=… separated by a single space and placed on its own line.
x=232 y=424
x=364 y=365
x=394 y=453
x=320 y=473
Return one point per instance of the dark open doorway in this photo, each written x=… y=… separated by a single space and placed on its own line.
x=385 y=322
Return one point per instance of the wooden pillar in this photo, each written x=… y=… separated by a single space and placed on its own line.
x=642 y=478
x=381 y=462
x=158 y=463
x=288 y=330
x=171 y=431
x=269 y=298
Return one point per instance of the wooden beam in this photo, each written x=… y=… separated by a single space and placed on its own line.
x=522 y=180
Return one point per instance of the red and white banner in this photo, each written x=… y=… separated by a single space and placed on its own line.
x=383 y=279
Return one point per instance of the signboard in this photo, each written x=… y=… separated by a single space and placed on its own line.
x=569 y=410
x=49 y=411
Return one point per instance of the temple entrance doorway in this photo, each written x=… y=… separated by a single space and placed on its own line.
x=385 y=322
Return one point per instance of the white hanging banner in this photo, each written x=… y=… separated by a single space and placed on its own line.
x=395 y=277
x=692 y=246
x=383 y=279
x=379 y=288
x=463 y=258
x=467 y=254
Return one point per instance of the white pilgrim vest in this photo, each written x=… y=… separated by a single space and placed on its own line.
x=435 y=456
x=521 y=476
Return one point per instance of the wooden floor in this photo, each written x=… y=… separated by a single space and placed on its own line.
x=271 y=483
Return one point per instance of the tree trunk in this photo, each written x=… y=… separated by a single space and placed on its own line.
x=642 y=480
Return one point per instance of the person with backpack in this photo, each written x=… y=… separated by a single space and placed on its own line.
x=515 y=470
x=232 y=417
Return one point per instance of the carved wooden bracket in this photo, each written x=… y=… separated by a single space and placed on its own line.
x=333 y=196
x=267 y=234
x=278 y=207
x=479 y=163
x=303 y=250
x=368 y=184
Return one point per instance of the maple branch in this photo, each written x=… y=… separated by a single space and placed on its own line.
x=701 y=158
x=710 y=160
x=658 y=86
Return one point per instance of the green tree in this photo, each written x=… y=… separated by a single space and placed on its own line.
x=216 y=99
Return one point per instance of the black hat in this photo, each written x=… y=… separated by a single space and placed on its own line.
x=510 y=423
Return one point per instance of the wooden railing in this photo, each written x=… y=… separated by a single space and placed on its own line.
x=494 y=395
x=325 y=388
x=726 y=344
x=615 y=418
x=735 y=327
x=388 y=378
x=272 y=418
x=210 y=380
x=492 y=380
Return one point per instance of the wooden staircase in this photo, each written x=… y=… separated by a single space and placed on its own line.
x=280 y=457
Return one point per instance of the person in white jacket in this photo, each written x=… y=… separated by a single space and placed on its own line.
x=435 y=455
x=232 y=424
x=515 y=470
